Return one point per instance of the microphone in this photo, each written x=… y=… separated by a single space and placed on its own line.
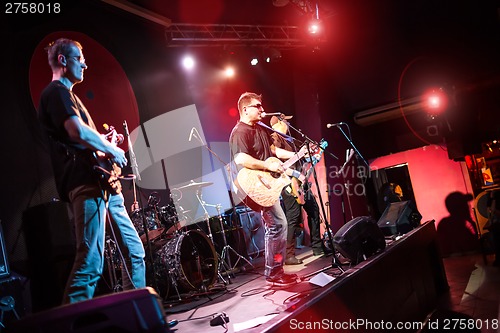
x=125 y=128
x=335 y=125
x=265 y=114
x=191 y=134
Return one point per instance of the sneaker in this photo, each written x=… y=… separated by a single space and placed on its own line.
x=282 y=280
x=293 y=261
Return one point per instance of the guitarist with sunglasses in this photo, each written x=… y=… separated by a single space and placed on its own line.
x=251 y=149
x=74 y=144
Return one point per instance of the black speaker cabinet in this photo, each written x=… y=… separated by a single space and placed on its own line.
x=253 y=229
x=51 y=246
x=131 y=311
x=399 y=218
x=359 y=239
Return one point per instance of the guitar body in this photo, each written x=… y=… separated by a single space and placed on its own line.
x=263 y=187
x=108 y=175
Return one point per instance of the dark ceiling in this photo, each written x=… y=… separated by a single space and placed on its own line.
x=377 y=51
x=371 y=42
x=373 y=51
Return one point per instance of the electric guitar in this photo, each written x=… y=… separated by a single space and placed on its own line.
x=109 y=173
x=297 y=182
x=264 y=187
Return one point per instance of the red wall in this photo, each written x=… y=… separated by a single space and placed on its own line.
x=433 y=175
x=443 y=193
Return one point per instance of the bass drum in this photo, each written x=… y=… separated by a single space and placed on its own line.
x=188 y=261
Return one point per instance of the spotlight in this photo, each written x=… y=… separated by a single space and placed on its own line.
x=254 y=61
x=188 y=62
x=314 y=27
x=271 y=54
x=435 y=101
x=229 y=71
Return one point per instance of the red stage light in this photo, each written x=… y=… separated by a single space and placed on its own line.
x=435 y=101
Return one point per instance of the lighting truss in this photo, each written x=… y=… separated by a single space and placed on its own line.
x=283 y=37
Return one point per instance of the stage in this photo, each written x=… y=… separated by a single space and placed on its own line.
x=398 y=286
x=393 y=290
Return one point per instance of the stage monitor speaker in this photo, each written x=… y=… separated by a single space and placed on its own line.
x=359 y=239
x=253 y=228
x=131 y=311
x=399 y=218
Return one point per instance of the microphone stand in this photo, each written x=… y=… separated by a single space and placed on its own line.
x=135 y=171
x=348 y=138
x=346 y=185
x=358 y=156
x=335 y=262
x=226 y=245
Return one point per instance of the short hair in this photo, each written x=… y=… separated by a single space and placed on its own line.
x=60 y=46
x=245 y=98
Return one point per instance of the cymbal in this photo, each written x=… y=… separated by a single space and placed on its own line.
x=193 y=185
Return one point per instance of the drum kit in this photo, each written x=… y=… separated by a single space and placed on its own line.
x=184 y=258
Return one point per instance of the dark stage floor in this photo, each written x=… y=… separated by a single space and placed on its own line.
x=248 y=301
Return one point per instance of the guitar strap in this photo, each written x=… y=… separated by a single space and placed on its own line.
x=286 y=137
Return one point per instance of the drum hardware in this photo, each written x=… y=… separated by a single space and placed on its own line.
x=224 y=258
x=227 y=247
x=177 y=222
x=222 y=263
x=109 y=253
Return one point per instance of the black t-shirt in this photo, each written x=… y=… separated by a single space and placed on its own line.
x=72 y=163
x=251 y=140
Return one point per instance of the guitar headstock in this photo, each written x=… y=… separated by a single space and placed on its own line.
x=112 y=135
x=317 y=151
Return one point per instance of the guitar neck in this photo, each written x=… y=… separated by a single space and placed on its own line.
x=292 y=160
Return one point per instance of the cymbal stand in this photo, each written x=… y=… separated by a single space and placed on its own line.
x=228 y=247
x=110 y=246
x=210 y=235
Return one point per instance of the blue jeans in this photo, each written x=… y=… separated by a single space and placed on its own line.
x=275 y=239
x=89 y=213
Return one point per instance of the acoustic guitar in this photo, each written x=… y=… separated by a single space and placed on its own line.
x=264 y=187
